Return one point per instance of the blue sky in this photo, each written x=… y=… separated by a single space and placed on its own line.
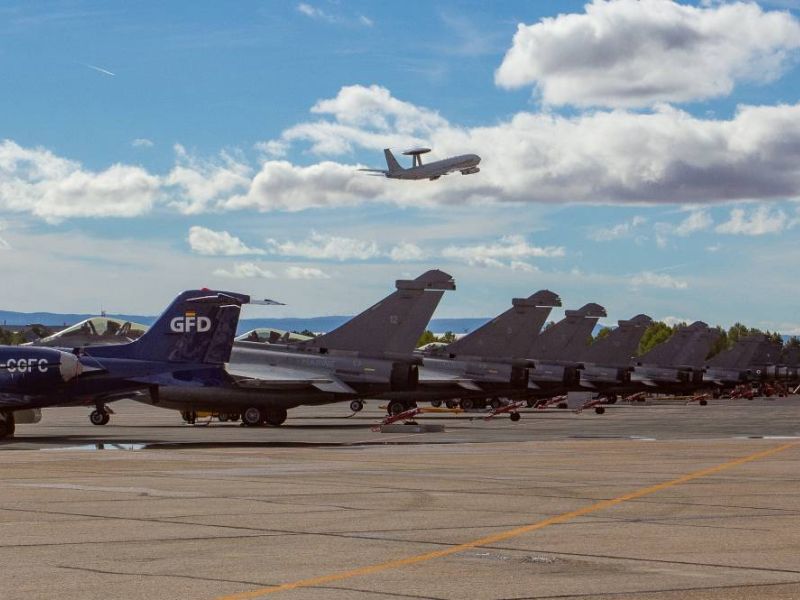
x=643 y=155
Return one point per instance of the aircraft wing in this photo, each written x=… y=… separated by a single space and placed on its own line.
x=434 y=377
x=285 y=378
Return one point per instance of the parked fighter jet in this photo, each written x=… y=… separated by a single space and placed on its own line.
x=187 y=346
x=732 y=367
x=677 y=364
x=606 y=362
x=489 y=363
x=466 y=163
x=367 y=356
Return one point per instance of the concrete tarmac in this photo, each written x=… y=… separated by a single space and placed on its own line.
x=648 y=501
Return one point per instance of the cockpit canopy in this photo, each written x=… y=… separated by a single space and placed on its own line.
x=267 y=335
x=95 y=331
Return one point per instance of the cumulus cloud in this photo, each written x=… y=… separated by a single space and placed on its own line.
x=698 y=220
x=615 y=232
x=657 y=280
x=200 y=183
x=406 y=252
x=635 y=53
x=142 y=143
x=759 y=221
x=38 y=182
x=296 y=272
x=510 y=251
x=247 y=270
x=218 y=243
x=325 y=247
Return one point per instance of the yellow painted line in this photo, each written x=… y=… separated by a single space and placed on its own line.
x=506 y=535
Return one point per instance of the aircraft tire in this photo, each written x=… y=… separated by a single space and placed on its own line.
x=275 y=416
x=599 y=410
x=496 y=403
x=467 y=403
x=99 y=417
x=450 y=403
x=703 y=402
x=396 y=407
x=7 y=425
x=252 y=416
x=436 y=403
x=514 y=417
x=356 y=406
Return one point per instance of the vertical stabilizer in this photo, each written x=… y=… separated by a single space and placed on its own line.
x=391 y=161
x=619 y=346
x=567 y=339
x=740 y=355
x=393 y=325
x=687 y=347
x=509 y=335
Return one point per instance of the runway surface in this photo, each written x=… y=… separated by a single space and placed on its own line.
x=646 y=501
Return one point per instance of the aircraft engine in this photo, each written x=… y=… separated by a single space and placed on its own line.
x=29 y=370
x=404 y=377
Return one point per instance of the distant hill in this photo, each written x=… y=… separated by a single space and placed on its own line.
x=316 y=324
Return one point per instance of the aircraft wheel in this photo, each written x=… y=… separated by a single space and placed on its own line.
x=436 y=403
x=356 y=406
x=99 y=417
x=7 y=425
x=703 y=402
x=599 y=410
x=612 y=399
x=496 y=403
x=252 y=417
x=450 y=403
x=222 y=417
x=275 y=417
x=396 y=407
x=467 y=403
x=514 y=417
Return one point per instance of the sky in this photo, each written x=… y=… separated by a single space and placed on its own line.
x=641 y=154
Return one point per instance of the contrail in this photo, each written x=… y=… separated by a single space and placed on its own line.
x=103 y=71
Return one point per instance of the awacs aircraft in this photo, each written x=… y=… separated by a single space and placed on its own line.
x=369 y=355
x=466 y=163
x=488 y=363
x=187 y=346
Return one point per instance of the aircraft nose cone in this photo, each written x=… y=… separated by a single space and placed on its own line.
x=476 y=158
x=70 y=366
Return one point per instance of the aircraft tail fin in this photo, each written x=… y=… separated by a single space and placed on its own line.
x=393 y=325
x=391 y=161
x=509 y=335
x=569 y=337
x=688 y=347
x=618 y=347
x=198 y=327
x=740 y=355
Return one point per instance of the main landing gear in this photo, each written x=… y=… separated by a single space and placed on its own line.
x=254 y=416
x=7 y=425
x=99 y=416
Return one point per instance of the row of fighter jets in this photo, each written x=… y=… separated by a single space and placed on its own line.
x=190 y=360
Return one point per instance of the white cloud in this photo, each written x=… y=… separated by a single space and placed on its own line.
x=142 y=143
x=760 y=221
x=615 y=232
x=673 y=321
x=218 y=243
x=305 y=273
x=406 y=252
x=325 y=247
x=247 y=270
x=317 y=13
x=508 y=252
x=698 y=220
x=634 y=53
x=37 y=181
x=202 y=183
x=657 y=280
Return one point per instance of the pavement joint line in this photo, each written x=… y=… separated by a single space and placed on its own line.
x=509 y=534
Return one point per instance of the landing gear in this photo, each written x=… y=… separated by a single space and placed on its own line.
x=275 y=416
x=396 y=407
x=515 y=416
x=99 y=417
x=436 y=403
x=189 y=416
x=467 y=404
x=7 y=425
x=703 y=402
x=599 y=410
x=252 y=417
x=450 y=403
x=356 y=406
